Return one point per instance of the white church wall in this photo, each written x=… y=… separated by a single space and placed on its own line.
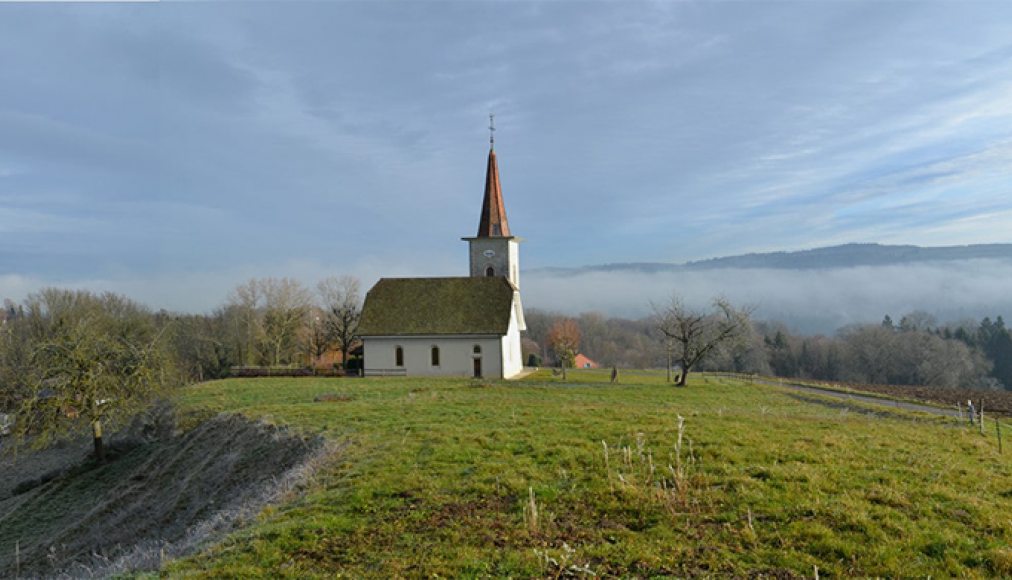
x=456 y=355
x=512 y=354
x=514 y=262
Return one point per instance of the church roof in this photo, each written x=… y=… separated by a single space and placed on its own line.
x=493 y=222
x=428 y=306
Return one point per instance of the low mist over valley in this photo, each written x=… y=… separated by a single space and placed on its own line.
x=813 y=291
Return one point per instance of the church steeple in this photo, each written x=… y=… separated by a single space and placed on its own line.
x=494 y=250
x=493 y=223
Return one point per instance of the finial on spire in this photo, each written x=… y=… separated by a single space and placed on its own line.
x=491 y=130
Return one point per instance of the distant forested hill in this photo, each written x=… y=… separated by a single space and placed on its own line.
x=844 y=256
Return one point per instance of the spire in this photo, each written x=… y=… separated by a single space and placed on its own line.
x=491 y=130
x=493 y=222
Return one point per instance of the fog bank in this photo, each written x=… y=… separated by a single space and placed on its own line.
x=809 y=301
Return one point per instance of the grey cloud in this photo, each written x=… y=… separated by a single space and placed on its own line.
x=211 y=134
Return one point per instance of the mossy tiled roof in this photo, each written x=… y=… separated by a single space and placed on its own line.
x=421 y=306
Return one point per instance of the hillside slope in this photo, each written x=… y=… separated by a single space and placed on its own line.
x=162 y=498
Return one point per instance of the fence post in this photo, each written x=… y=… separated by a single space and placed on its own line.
x=997 y=431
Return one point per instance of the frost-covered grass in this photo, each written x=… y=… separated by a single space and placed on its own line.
x=538 y=477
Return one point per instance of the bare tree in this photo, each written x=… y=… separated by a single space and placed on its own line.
x=314 y=335
x=267 y=316
x=342 y=304
x=245 y=306
x=564 y=338
x=286 y=304
x=693 y=334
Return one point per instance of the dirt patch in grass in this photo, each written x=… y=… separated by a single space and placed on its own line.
x=333 y=398
x=157 y=499
x=995 y=402
x=825 y=401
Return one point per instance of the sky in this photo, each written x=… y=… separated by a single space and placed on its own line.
x=170 y=151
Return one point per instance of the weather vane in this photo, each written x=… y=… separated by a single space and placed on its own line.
x=491 y=130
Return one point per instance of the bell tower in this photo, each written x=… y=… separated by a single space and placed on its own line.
x=494 y=251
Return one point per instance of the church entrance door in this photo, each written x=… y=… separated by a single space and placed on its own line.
x=477 y=367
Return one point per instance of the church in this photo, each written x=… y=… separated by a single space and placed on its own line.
x=460 y=326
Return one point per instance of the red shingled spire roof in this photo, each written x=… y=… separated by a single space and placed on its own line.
x=493 y=222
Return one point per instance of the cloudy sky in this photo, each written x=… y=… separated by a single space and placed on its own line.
x=172 y=150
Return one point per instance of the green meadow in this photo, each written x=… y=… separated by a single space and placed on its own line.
x=539 y=477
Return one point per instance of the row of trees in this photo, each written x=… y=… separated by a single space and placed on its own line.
x=269 y=322
x=689 y=336
x=917 y=350
x=278 y=321
x=73 y=360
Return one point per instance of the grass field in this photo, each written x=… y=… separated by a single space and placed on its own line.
x=450 y=478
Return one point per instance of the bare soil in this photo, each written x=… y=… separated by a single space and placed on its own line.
x=995 y=402
x=62 y=514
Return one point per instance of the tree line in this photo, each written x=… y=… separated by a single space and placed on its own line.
x=915 y=351
x=73 y=361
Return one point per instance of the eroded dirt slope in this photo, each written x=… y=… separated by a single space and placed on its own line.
x=155 y=499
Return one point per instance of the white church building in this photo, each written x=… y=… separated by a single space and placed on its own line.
x=461 y=326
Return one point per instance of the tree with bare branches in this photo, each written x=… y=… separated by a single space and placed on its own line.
x=314 y=336
x=269 y=318
x=342 y=306
x=286 y=305
x=244 y=306
x=693 y=334
x=564 y=339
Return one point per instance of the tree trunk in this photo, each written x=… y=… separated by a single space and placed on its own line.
x=669 y=361
x=683 y=375
x=96 y=429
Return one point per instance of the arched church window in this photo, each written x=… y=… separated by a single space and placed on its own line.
x=399 y=356
x=477 y=349
x=435 y=356
x=490 y=271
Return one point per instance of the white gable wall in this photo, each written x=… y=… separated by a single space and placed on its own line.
x=511 y=353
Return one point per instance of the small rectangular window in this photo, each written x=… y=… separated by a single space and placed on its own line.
x=435 y=356
x=399 y=357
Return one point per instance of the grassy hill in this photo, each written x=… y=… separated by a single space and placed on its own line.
x=539 y=478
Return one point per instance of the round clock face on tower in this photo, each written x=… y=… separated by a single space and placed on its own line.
x=489 y=253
